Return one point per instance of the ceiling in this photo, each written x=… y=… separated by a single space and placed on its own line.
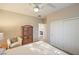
x=27 y=8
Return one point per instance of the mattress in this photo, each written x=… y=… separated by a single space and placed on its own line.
x=36 y=48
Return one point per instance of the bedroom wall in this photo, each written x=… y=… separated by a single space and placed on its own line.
x=55 y=20
x=10 y=24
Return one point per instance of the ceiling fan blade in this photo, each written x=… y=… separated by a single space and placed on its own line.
x=51 y=5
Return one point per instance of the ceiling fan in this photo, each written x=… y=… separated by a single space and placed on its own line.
x=39 y=6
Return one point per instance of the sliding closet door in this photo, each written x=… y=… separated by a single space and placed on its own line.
x=56 y=33
x=71 y=35
x=64 y=34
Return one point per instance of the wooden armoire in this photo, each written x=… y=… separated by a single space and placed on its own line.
x=27 y=34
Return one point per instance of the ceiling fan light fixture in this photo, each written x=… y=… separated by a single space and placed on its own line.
x=36 y=9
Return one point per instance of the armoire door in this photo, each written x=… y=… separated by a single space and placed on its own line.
x=27 y=34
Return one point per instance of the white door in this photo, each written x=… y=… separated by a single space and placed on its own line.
x=56 y=33
x=42 y=32
x=71 y=35
x=64 y=34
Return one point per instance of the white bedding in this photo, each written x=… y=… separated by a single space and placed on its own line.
x=37 y=48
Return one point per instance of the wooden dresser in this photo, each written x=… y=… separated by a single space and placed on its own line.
x=27 y=34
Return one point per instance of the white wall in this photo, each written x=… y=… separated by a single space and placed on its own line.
x=11 y=22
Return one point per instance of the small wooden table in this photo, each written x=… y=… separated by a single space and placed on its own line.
x=3 y=44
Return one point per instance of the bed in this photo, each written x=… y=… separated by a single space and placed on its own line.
x=36 y=48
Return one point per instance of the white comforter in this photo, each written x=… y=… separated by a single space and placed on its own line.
x=37 y=48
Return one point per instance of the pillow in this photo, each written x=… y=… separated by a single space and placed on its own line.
x=19 y=38
x=13 y=40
